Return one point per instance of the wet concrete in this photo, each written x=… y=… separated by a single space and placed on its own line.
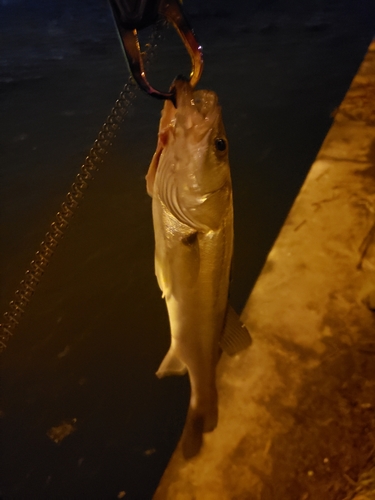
x=297 y=409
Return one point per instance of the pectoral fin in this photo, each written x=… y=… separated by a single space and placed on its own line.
x=150 y=177
x=171 y=365
x=235 y=336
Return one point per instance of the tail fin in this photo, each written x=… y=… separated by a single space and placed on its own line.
x=197 y=423
x=192 y=436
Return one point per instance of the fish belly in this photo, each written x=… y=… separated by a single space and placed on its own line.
x=192 y=268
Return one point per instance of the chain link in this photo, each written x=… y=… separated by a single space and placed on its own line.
x=68 y=207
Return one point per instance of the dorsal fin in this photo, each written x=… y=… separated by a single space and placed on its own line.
x=235 y=336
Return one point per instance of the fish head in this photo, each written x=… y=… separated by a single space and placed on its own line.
x=192 y=154
x=198 y=131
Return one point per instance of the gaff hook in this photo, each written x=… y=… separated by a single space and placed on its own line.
x=132 y=15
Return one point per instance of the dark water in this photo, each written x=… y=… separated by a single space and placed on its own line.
x=96 y=330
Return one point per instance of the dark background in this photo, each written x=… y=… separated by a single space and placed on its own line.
x=96 y=329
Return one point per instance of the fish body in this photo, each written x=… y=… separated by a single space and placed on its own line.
x=190 y=184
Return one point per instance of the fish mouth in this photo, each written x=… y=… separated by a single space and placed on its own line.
x=196 y=110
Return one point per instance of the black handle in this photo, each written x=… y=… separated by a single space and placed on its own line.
x=135 y=14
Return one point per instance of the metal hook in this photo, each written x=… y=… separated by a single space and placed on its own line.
x=172 y=11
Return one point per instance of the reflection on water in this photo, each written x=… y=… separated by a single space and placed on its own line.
x=96 y=330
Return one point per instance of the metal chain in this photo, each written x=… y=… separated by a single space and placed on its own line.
x=56 y=230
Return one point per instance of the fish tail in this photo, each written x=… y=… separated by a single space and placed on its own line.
x=192 y=436
x=198 y=421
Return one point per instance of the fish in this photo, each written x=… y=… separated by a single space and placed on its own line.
x=189 y=181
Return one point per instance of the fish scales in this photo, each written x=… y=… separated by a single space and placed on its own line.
x=190 y=184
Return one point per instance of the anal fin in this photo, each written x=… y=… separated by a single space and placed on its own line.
x=171 y=365
x=235 y=336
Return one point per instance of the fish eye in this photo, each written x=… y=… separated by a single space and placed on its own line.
x=220 y=144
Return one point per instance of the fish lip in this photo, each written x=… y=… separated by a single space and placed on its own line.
x=196 y=111
x=180 y=87
x=202 y=101
x=183 y=93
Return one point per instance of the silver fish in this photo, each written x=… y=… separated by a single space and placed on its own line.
x=190 y=184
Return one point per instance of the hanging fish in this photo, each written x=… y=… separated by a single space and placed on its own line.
x=190 y=184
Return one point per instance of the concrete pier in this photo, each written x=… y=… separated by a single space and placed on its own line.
x=297 y=409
